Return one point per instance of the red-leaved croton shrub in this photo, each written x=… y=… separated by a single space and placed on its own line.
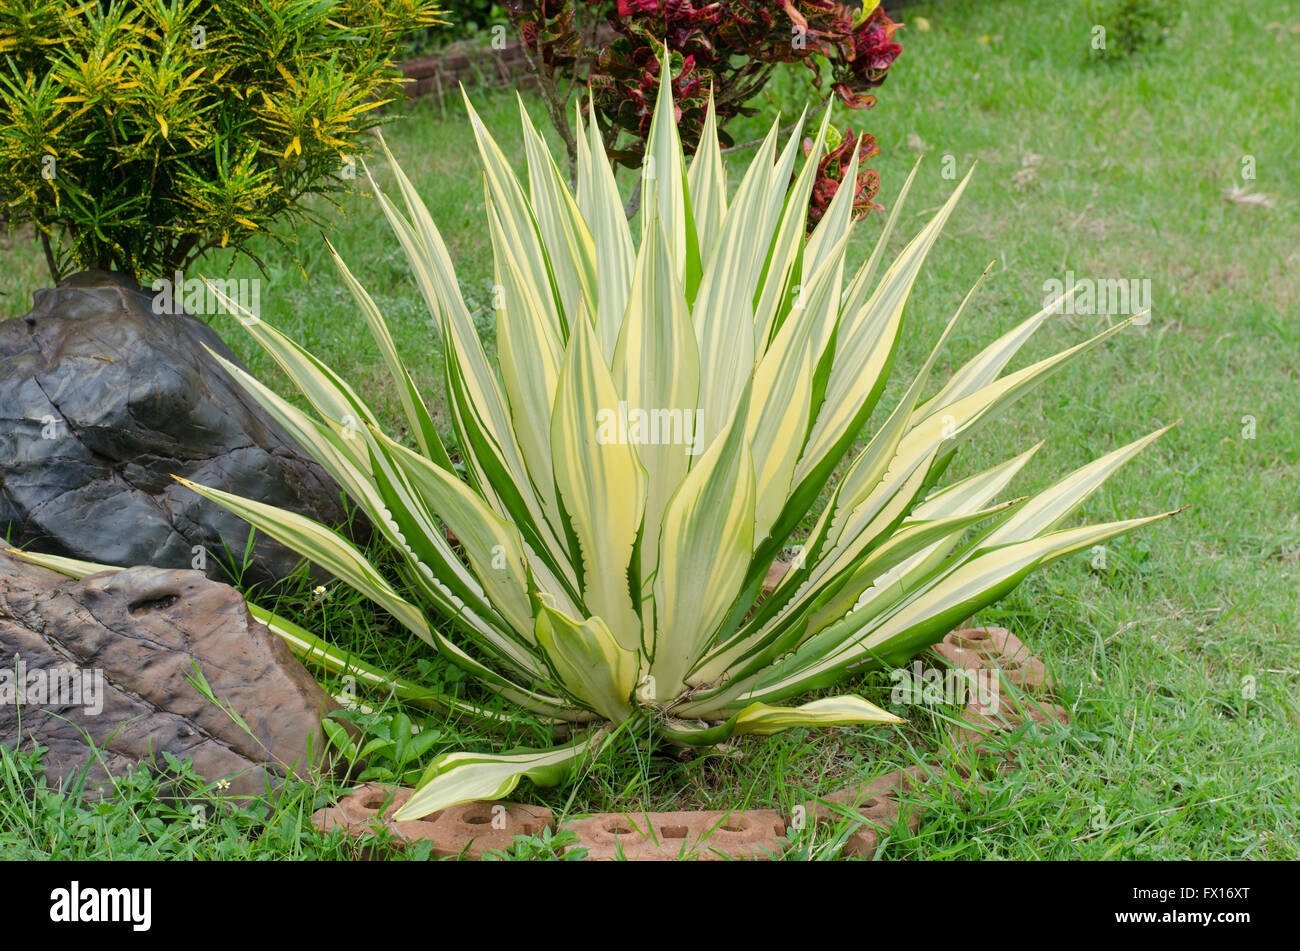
x=830 y=174
x=732 y=46
x=728 y=46
x=547 y=28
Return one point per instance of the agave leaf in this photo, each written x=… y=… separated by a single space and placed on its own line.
x=602 y=208
x=480 y=414
x=335 y=554
x=72 y=567
x=900 y=583
x=957 y=500
x=964 y=417
x=985 y=577
x=518 y=221
x=663 y=187
x=451 y=587
x=656 y=369
x=601 y=481
x=781 y=270
x=1051 y=507
x=313 y=650
x=764 y=720
x=865 y=343
x=364 y=487
x=461 y=777
x=323 y=546
x=529 y=354
x=417 y=414
x=940 y=432
x=493 y=546
x=332 y=398
x=435 y=569
x=867 y=469
x=565 y=238
x=706 y=181
x=937 y=607
x=826 y=248
x=874 y=466
x=836 y=222
x=501 y=466
x=859 y=289
x=984 y=367
x=774 y=202
x=783 y=392
x=323 y=443
x=726 y=337
x=976 y=490
x=772 y=625
x=704 y=553
x=839 y=596
x=588 y=661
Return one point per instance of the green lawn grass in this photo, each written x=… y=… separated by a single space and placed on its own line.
x=1180 y=658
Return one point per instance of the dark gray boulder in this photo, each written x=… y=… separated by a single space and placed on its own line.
x=101 y=401
x=124 y=645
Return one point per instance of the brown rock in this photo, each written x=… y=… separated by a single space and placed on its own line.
x=102 y=401
x=133 y=638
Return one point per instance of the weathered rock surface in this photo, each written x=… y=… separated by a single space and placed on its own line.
x=101 y=401
x=144 y=629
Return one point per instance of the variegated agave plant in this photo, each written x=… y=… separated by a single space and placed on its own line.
x=665 y=416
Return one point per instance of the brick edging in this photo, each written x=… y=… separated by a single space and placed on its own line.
x=473 y=63
x=476 y=828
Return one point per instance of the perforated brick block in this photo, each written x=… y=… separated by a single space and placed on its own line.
x=668 y=836
x=774 y=575
x=880 y=814
x=877 y=804
x=979 y=722
x=862 y=844
x=864 y=795
x=996 y=648
x=470 y=829
x=474 y=828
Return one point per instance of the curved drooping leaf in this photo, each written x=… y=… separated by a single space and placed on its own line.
x=461 y=777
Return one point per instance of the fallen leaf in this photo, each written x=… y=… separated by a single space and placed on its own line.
x=1029 y=163
x=1243 y=195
